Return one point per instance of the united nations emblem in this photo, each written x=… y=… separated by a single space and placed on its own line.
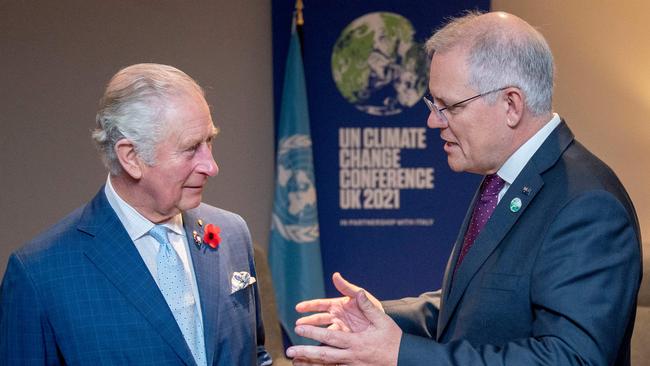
x=295 y=215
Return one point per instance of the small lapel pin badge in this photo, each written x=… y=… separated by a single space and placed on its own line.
x=197 y=238
x=515 y=204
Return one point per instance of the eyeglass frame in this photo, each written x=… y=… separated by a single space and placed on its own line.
x=434 y=108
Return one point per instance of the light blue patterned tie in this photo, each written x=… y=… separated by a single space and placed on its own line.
x=175 y=287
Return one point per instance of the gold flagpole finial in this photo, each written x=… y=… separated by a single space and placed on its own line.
x=299 y=18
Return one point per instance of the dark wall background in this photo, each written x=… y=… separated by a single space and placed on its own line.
x=55 y=59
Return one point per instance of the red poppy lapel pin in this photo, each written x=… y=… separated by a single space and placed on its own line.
x=210 y=235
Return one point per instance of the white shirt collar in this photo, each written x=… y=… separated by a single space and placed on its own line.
x=518 y=160
x=135 y=224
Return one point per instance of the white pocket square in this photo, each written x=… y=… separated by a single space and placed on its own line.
x=240 y=280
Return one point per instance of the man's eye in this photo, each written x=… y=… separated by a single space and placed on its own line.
x=454 y=109
x=439 y=103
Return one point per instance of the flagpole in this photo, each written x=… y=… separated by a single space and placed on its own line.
x=298 y=22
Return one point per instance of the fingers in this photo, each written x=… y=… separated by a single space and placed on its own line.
x=318 y=305
x=316 y=319
x=338 y=324
x=351 y=290
x=323 y=335
x=374 y=313
x=344 y=287
x=316 y=355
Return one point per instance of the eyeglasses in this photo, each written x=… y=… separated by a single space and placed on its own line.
x=434 y=108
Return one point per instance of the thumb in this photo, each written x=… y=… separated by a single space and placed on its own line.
x=371 y=311
x=343 y=286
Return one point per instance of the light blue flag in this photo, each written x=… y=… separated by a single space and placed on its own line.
x=294 y=249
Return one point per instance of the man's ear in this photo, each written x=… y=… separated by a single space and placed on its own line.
x=128 y=158
x=514 y=104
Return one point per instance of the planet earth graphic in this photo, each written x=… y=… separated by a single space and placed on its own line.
x=377 y=66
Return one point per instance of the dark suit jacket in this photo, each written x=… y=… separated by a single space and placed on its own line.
x=80 y=294
x=554 y=283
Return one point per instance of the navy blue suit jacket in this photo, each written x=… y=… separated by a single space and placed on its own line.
x=554 y=283
x=80 y=294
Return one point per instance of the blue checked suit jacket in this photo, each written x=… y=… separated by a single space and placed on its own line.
x=80 y=294
x=553 y=283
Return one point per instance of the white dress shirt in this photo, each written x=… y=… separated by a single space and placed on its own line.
x=518 y=160
x=137 y=226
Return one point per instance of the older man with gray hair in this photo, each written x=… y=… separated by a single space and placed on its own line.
x=144 y=274
x=547 y=265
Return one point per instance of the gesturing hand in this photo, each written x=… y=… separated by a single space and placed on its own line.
x=358 y=332
x=341 y=313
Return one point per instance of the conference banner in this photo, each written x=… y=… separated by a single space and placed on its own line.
x=389 y=207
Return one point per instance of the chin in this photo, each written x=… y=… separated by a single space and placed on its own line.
x=455 y=166
x=190 y=203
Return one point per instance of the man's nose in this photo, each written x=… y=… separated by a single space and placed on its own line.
x=435 y=120
x=207 y=165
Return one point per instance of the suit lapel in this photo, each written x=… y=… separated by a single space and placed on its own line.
x=115 y=255
x=453 y=257
x=525 y=188
x=206 y=263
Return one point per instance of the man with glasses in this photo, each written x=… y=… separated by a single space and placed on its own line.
x=547 y=265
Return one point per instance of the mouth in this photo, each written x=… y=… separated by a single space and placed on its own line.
x=199 y=187
x=449 y=146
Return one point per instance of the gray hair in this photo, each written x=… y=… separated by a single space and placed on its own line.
x=133 y=107
x=499 y=56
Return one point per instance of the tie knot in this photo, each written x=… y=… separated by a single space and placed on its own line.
x=492 y=185
x=159 y=232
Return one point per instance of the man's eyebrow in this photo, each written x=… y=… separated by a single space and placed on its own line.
x=440 y=100
x=431 y=94
x=191 y=141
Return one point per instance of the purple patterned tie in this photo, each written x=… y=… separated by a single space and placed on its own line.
x=490 y=188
